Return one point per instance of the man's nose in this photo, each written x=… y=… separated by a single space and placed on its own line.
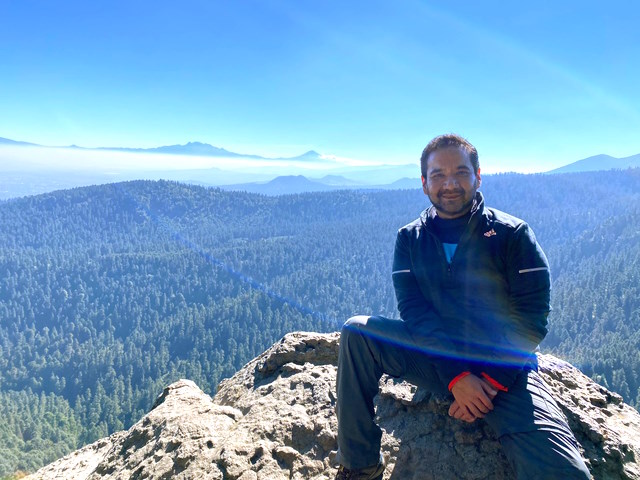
x=450 y=181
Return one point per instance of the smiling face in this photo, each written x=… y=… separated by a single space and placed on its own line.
x=450 y=183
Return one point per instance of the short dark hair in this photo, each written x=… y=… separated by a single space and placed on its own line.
x=445 y=141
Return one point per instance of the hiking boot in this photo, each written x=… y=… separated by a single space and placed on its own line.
x=368 y=473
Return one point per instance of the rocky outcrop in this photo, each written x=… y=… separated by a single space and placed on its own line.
x=274 y=419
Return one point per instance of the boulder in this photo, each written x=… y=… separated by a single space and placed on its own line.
x=274 y=419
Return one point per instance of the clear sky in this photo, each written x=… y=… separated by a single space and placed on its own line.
x=534 y=85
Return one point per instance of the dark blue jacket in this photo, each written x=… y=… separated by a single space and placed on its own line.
x=486 y=311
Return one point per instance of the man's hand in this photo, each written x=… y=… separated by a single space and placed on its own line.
x=458 y=413
x=473 y=397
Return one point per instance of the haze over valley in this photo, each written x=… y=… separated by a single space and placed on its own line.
x=29 y=169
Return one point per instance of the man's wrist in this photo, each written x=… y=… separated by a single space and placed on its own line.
x=456 y=379
x=494 y=383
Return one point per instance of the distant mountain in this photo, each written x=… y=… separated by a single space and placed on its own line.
x=405 y=183
x=337 y=181
x=205 y=150
x=290 y=184
x=191 y=148
x=382 y=174
x=283 y=185
x=600 y=162
x=7 y=141
x=310 y=155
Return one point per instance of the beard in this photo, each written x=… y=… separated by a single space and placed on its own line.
x=453 y=203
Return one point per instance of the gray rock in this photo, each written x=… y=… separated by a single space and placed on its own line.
x=274 y=419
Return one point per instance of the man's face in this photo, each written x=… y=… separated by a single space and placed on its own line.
x=451 y=183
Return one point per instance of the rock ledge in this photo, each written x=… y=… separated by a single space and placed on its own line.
x=274 y=419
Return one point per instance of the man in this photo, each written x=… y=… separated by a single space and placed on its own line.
x=472 y=286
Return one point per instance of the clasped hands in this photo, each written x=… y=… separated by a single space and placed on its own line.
x=473 y=398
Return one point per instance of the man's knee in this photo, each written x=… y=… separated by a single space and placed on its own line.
x=355 y=322
x=351 y=328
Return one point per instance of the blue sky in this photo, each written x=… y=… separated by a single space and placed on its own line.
x=533 y=86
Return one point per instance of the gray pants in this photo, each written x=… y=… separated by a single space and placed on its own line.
x=530 y=426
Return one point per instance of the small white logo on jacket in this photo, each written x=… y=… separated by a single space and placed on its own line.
x=490 y=233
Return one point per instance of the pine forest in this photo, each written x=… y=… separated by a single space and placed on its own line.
x=109 y=293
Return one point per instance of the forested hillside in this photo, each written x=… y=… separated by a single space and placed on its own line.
x=109 y=293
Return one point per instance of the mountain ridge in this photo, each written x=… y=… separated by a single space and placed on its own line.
x=598 y=163
x=8 y=141
x=294 y=184
x=190 y=148
x=196 y=148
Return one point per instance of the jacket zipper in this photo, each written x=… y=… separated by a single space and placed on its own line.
x=467 y=232
x=441 y=253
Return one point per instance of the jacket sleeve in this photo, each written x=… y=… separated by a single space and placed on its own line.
x=529 y=296
x=423 y=322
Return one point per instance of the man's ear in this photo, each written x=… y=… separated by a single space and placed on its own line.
x=424 y=185
x=478 y=178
